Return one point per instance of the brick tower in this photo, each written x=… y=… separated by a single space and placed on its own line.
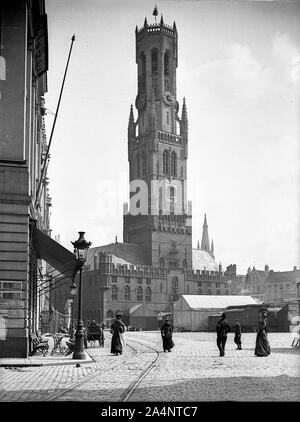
x=159 y=218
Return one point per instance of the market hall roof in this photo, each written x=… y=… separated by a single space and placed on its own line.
x=202 y=260
x=217 y=301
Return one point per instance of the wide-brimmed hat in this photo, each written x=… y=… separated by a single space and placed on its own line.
x=118 y=314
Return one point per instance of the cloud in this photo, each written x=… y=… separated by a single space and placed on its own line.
x=286 y=58
x=239 y=76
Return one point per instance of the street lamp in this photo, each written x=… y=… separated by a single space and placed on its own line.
x=73 y=292
x=80 y=249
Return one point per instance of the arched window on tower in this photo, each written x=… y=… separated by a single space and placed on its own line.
x=160 y=202
x=154 y=62
x=174 y=285
x=126 y=293
x=148 y=294
x=166 y=162
x=138 y=165
x=172 y=199
x=139 y=294
x=143 y=163
x=142 y=76
x=173 y=164
x=114 y=292
x=166 y=64
x=184 y=264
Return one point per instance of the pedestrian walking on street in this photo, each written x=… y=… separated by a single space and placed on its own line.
x=296 y=339
x=167 y=334
x=222 y=329
x=117 y=330
x=262 y=347
x=238 y=335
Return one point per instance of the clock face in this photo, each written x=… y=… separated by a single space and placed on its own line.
x=140 y=101
x=169 y=98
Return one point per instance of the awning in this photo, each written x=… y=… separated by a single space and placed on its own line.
x=52 y=252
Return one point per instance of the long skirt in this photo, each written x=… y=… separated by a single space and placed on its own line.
x=262 y=347
x=167 y=343
x=116 y=344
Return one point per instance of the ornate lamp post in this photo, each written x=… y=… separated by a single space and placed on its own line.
x=73 y=292
x=80 y=249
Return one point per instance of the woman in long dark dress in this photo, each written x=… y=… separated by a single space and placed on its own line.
x=262 y=347
x=166 y=334
x=117 y=328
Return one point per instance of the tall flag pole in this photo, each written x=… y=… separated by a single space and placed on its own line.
x=155 y=12
x=53 y=126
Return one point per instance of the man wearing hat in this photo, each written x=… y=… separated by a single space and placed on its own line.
x=222 y=329
x=117 y=330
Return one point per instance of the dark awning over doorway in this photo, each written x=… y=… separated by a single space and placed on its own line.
x=56 y=255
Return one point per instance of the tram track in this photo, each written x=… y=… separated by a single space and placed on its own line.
x=101 y=372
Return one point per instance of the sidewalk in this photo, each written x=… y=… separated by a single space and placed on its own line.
x=44 y=361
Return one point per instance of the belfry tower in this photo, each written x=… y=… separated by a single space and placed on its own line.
x=159 y=218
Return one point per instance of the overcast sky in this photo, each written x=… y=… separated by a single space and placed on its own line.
x=239 y=69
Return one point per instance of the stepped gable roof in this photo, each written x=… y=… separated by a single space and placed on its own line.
x=122 y=253
x=202 y=260
x=217 y=301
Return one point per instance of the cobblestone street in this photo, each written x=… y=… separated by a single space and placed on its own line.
x=193 y=371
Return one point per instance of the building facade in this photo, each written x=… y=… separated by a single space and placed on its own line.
x=24 y=197
x=255 y=282
x=276 y=289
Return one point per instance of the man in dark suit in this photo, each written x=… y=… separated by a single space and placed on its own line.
x=222 y=329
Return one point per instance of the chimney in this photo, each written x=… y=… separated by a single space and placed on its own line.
x=267 y=268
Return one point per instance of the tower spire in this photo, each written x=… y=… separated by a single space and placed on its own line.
x=205 y=239
x=131 y=125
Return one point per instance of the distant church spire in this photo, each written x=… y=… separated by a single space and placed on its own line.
x=205 y=239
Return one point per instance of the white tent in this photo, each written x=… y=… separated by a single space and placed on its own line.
x=191 y=312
